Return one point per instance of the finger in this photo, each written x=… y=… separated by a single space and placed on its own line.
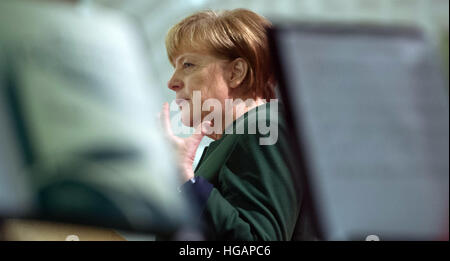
x=165 y=120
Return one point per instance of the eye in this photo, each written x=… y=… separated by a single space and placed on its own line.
x=187 y=65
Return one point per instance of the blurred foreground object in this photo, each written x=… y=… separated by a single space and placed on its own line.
x=78 y=139
x=33 y=230
x=369 y=107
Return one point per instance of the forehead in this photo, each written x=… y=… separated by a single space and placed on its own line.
x=184 y=44
x=195 y=55
x=184 y=55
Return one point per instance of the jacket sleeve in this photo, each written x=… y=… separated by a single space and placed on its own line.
x=255 y=198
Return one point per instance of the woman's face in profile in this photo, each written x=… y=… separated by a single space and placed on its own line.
x=195 y=71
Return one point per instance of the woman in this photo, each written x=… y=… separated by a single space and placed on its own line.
x=244 y=189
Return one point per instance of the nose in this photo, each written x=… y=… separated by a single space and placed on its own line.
x=175 y=84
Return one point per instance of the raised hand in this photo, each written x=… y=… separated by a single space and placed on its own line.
x=184 y=147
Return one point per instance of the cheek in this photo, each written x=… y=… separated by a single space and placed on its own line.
x=210 y=85
x=202 y=85
x=218 y=90
x=196 y=82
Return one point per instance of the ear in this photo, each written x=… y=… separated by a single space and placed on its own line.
x=238 y=71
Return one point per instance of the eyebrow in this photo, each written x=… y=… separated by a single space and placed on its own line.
x=183 y=56
x=180 y=58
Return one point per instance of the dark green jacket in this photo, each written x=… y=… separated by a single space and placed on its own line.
x=247 y=189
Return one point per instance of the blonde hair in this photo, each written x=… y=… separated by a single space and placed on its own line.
x=229 y=35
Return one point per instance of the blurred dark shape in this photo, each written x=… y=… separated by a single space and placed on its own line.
x=77 y=143
x=368 y=107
